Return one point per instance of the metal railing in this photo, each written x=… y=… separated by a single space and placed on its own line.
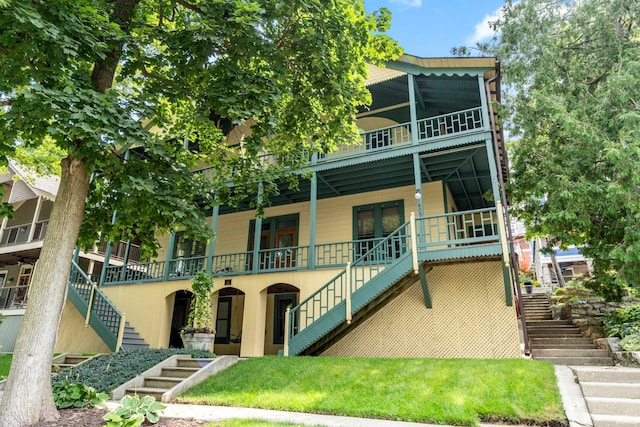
x=98 y=311
x=20 y=233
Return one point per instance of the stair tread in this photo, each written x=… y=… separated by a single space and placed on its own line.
x=160 y=378
x=140 y=390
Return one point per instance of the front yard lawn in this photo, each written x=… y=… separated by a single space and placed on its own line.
x=439 y=391
x=5 y=364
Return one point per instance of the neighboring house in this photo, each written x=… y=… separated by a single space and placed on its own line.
x=21 y=239
x=522 y=247
x=570 y=262
x=364 y=277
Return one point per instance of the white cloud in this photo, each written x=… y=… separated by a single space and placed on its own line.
x=483 y=30
x=409 y=3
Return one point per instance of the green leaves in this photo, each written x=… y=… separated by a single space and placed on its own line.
x=570 y=68
x=67 y=395
x=133 y=411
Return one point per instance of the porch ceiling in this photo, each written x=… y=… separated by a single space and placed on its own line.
x=466 y=172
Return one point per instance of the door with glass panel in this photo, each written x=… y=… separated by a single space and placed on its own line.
x=372 y=223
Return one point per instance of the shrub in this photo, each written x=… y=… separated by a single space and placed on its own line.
x=67 y=395
x=133 y=411
x=106 y=372
x=622 y=322
x=631 y=342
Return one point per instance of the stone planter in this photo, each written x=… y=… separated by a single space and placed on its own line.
x=198 y=341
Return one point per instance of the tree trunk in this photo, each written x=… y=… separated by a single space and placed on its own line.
x=28 y=397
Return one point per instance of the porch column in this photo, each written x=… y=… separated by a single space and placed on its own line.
x=418 y=180
x=483 y=99
x=257 y=234
x=167 y=263
x=313 y=199
x=35 y=219
x=253 y=324
x=125 y=260
x=493 y=170
x=215 y=212
x=107 y=252
x=412 y=110
x=3 y=226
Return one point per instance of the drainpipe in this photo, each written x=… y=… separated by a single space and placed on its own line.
x=503 y=196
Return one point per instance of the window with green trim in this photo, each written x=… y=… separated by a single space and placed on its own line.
x=280 y=232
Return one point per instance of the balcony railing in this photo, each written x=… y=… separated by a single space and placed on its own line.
x=119 y=250
x=20 y=233
x=438 y=232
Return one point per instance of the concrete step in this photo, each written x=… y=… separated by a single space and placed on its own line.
x=600 y=420
x=74 y=359
x=569 y=352
x=578 y=361
x=621 y=390
x=608 y=375
x=162 y=382
x=555 y=328
x=613 y=406
x=547 y=346
x=193 y=363
x=147 y=391
x=562 y=341
x=554 y=333
x=531 y=322
x=178 y=372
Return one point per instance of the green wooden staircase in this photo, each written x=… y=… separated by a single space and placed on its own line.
x=333 y=308
x=101 y=314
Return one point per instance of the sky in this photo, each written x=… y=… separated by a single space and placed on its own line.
x=430 y=28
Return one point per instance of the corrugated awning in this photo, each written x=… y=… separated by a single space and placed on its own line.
x=381 y=74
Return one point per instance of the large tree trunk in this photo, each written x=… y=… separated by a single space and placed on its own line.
x=28 y=397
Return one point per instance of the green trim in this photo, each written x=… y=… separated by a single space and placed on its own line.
x=271 y=225
x=167 y=263
x=377 y=216
x=313 y=199
x=224 y=339
x=215 y=213
x=425 y=288
x=278 y=323
x=507 y=285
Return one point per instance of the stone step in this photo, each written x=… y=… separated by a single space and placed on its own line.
x=600 y=420
x=608 y=375
x=162 y=382
x=621 y=390
x=178 y=372
x=561 y=341
x=147 y=391
x=613 y=406
x=548 y=323
x=578 y=361
x=569 y=352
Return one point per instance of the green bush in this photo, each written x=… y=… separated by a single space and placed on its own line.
x=631 y=342
x=106 y=372
x=67 y=395
x=622 y=322
x=133 y=411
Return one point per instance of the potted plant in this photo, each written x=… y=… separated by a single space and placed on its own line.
x=199 y=332
x=528 y=287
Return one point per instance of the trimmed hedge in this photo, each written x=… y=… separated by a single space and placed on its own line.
x=109 y=371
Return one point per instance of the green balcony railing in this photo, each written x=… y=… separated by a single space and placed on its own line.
x=434 y=233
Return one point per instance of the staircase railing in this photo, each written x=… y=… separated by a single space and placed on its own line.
x=99 y=312
x=355 y=276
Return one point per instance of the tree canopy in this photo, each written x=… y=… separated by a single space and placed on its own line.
x=573 y=100
x=131 y=95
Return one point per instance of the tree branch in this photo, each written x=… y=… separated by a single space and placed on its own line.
x=190 y=6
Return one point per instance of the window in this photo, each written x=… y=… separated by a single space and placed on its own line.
x=374 y=222
x=189 y=254
x=223 y=321
x=281 y=302
x=280 y=234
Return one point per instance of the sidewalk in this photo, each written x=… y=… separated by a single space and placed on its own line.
x=219 y=413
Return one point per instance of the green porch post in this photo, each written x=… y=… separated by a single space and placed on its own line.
x=418 y=179
x=107 y=256
x=313 y=198
x=257 y=234
x=125 y=260
x=483 y=100
x=215 y=212
x=167 y=263
x=412 y=109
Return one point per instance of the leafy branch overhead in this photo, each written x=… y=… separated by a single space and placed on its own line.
x=572 y=69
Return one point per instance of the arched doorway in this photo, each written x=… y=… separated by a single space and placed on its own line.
x=181 y=303
x=279 y=297
x=229 y=318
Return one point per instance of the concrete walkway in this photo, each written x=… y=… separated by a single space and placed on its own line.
x=219 y=413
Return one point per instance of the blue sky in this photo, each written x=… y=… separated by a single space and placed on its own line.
x=430 y=28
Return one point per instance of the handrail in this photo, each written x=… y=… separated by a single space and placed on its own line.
x=352 y=278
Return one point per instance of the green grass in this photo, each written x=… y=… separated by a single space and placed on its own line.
x=5 y=364
x=439 y=391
